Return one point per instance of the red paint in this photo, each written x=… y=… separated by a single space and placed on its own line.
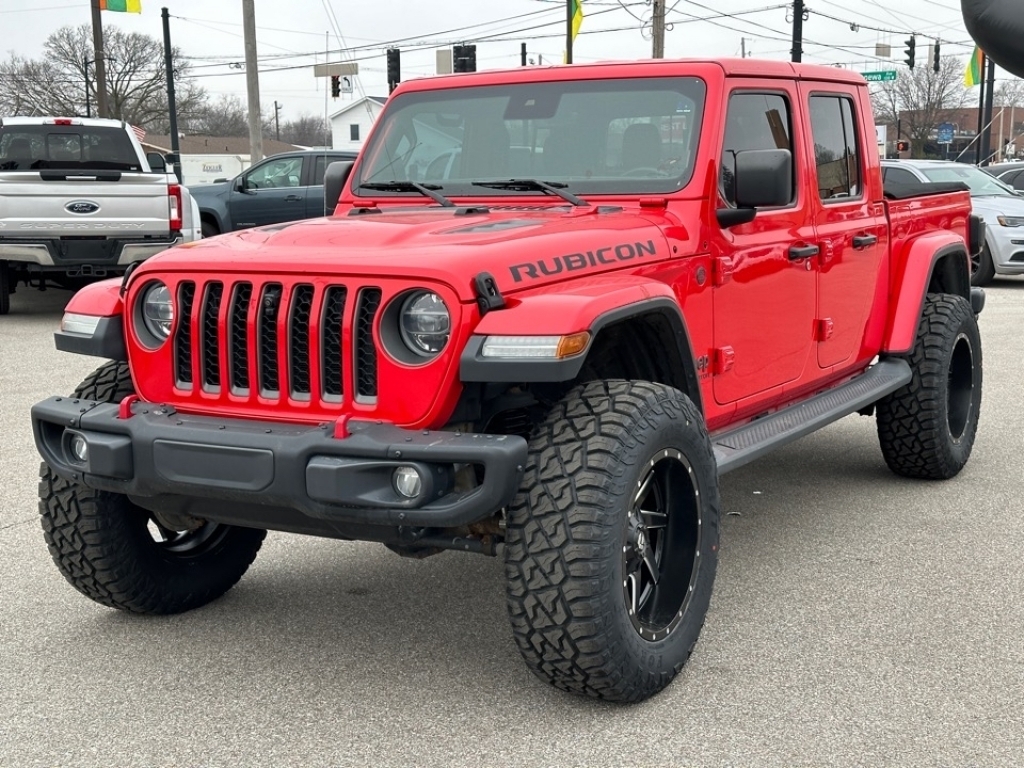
x=770 y=329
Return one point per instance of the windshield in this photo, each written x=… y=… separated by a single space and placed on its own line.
x=66 y=147
x=981 y=183
x=607 y=136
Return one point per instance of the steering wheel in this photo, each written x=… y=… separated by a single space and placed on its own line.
x=644 y=171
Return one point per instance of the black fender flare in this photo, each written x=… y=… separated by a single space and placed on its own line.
x=473 y=367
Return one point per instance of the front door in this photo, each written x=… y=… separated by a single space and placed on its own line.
x=271 y=192
x=764 y=271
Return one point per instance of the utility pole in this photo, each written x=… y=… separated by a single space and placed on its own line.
x=522 y=54
x=277 y=122
x=568 y=31
x=658 y=30
x=743 y=47
x=252 y=79
x=171 y=108
x=981 y=107
x=798 y=30
x=101 y=69
x=986 y=138
x=88 y=106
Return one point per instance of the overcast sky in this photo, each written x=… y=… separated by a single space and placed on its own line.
x=293 y=34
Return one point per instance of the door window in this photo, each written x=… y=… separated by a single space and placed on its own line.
x=836 y=152
x=276 y=173
x=753 y=121
x=899 y=176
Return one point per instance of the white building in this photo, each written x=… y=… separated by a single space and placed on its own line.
x=351 y=124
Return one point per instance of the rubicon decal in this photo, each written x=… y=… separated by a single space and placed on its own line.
x=572 y=262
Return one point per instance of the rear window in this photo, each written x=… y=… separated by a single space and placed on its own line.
x=66 y=147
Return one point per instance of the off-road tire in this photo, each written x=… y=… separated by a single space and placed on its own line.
x=103 y=545
x=927 y=427
x=569 y=529
x=209 y=229
x=6 y=284
x=983 y=268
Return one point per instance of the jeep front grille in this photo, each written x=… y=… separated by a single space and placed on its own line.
x=273 y=340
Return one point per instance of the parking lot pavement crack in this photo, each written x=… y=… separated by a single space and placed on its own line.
x=15 y=525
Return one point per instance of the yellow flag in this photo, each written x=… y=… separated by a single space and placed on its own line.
x=973 y=73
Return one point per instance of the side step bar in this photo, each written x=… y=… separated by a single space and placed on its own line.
x=752 y=440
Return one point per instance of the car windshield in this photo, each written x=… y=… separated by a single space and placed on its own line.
x=981 y=183
x=608 y=136
x=66 y=147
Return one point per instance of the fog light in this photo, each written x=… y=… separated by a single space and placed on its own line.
x=407 y=482
x=79 y=448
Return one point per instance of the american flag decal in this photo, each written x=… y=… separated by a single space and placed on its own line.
x=140 y=133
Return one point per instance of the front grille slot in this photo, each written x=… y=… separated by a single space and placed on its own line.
x=330 y=343
x=239 y=339
x=210 y=348
x=366 y=350
x=270 y=306
x=249 y=341
x=183 y=336
x=298 y=342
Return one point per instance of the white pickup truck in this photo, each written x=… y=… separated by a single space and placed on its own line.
x=80 y=199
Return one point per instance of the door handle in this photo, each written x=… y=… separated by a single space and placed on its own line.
x=863 y=241
x=798 y=252
x=293 y=199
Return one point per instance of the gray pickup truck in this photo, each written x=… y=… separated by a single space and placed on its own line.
x=80 y=199
x=284 y=187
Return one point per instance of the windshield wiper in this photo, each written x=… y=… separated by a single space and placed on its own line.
x=410 y=186
x=525 y=185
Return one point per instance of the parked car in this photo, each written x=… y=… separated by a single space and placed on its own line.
x=1009 y=173
x=81 y=200
x=996 y=202
x=561 y=364
x=284 y=187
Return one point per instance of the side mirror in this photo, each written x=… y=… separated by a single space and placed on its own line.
x=335 y=176
x=156 y=161
x=764 y=178
x=241 y=186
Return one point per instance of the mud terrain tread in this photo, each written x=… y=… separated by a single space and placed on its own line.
x=912 y=421
x=559 y=537
x=96 y=539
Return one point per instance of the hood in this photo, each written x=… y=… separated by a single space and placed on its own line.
x=520 y=246
x=203 y=192
x=993 y=206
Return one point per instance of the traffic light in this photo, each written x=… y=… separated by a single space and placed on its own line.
x=935 y=57
x=335 y=86
x=911 y=44
x=394 y=68
x=902 y=146
x=464 y=58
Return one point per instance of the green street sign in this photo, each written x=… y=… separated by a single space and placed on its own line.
x=879 y=77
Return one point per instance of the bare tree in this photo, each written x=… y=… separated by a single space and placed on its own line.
x=306 y=131
x=921 y=99
x=136 y=80
x=225 y=117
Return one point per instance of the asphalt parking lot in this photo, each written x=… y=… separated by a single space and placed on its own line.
x=858 y=619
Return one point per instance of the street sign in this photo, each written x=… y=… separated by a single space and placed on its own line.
x=879 y=77
x=946 y=133
x=341 y=69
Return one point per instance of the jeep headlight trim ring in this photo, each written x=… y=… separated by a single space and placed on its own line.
x=157 y=310
x=425 y=323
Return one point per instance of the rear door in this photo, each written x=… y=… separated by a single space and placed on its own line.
x=764 y=275
x=73 y=179
x=269 y=192
x=849 y=218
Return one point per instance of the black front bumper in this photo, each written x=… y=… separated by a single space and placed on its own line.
x=160 y=455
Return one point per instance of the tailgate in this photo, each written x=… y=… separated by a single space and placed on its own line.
x=111 y=204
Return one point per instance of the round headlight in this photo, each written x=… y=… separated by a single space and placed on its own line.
x=158 y=310
x=425 y=323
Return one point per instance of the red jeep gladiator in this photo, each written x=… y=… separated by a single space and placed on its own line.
x=552 y=307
